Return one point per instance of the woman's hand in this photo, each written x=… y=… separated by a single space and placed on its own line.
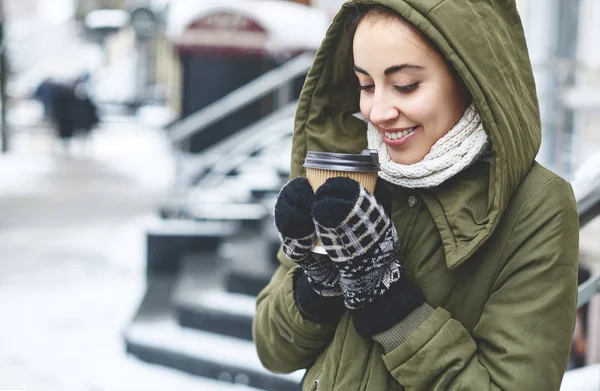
x=362 y=241
x=297 y=231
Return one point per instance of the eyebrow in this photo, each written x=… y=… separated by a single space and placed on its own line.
x=393 y=69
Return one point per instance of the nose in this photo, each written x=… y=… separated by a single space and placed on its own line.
x=382 y=110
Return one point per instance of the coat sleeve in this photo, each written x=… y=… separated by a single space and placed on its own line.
x=285 y=340
x=523 y=338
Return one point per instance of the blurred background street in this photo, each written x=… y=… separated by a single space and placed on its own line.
x=120 y=228
x=72 y=259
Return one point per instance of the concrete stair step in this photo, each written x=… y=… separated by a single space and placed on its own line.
x=205 y=354
x=218 y=311
x=199 y=300
x=155 y=336
x=251 y=259
x=242 y=282
x=168 y=241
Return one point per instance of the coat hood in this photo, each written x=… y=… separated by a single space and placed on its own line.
x=484 y=41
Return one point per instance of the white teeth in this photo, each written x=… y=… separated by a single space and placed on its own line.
x=398 y=135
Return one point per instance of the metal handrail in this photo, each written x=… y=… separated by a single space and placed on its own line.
x=272 y=134
x=244 y=95
x=246 y=137
x=276 y=132
x=260 y=132
x=587 y=290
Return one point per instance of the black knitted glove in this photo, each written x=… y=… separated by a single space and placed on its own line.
x=297 y=232
x=363 y=243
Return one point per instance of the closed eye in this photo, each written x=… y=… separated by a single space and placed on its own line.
x=408 y=88
x=367 y=88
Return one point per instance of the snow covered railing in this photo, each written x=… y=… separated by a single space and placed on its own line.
x=245 y=142
x=208 y=169
x=274 y=80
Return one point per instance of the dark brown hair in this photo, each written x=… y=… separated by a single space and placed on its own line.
x=378 y=12
x=359 y=11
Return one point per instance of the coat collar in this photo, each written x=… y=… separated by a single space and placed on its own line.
x=460 y=210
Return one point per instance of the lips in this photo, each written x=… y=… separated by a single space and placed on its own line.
x=399 y=137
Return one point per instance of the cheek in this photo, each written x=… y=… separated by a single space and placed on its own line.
x=420 y=110
x=451 y=104
x=427 y=107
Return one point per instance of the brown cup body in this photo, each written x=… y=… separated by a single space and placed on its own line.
x=316 y=177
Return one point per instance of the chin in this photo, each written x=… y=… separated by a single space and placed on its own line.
x=405 y=157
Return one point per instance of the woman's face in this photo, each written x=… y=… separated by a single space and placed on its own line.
x=407 y=88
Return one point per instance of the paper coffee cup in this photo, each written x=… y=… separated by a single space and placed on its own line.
x=362 y=167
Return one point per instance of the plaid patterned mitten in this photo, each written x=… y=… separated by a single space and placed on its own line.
x=297 y=233
x=359 y=237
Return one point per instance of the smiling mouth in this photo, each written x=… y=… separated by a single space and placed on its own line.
x=400 y=135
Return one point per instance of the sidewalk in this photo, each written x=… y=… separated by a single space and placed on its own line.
x=72 y=260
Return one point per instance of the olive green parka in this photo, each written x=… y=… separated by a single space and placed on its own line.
x=494 y=249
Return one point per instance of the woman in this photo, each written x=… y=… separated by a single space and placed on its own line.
x=471 y=282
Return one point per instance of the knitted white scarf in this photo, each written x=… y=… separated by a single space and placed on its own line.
x=464 y=144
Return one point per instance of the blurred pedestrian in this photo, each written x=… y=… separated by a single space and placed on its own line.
x=70 y=110
x=62 y=110
x=85 y=112
x=44 y=93
x=460 y=272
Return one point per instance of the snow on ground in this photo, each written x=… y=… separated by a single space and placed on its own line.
x=72 y=260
